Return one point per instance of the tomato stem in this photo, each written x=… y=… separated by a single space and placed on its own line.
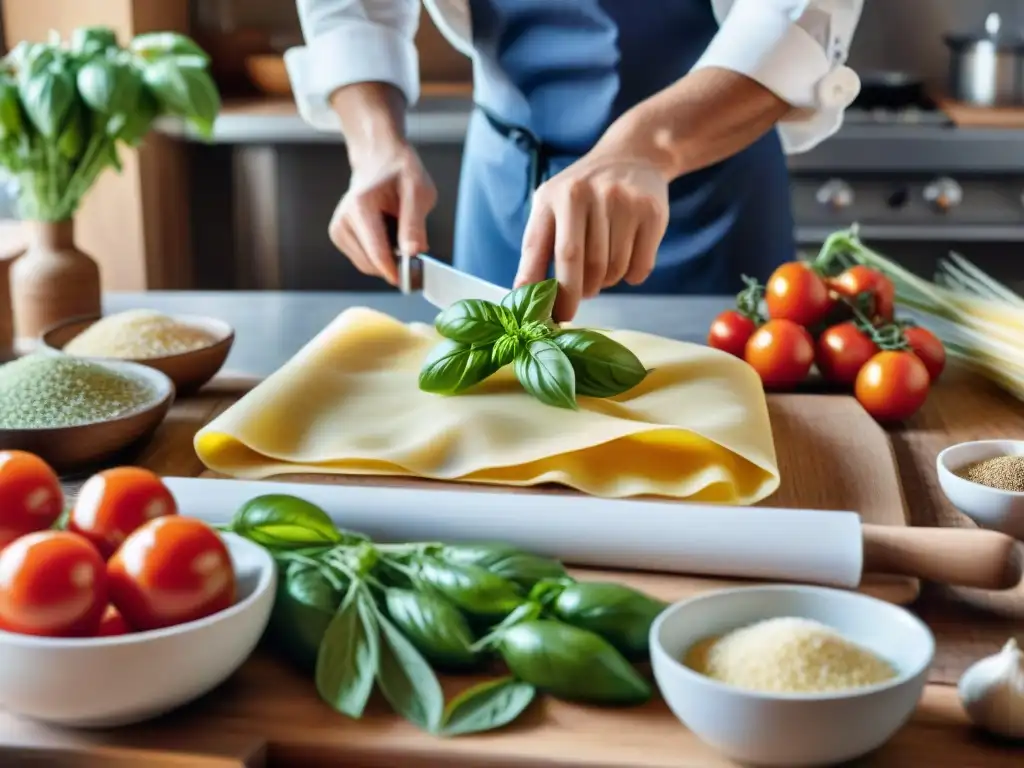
x=748 y=301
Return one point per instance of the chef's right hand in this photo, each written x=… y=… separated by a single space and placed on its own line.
x=387 y=180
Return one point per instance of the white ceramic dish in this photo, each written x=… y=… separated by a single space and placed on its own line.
x=989 y=507
x=792 y=729
x=113 y=681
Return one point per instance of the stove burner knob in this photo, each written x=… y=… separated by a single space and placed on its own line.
x=836 y=194
x=898 y=198
x=943 y=194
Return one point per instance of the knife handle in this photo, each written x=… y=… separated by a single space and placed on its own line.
x=410 y=274
x=963 y=557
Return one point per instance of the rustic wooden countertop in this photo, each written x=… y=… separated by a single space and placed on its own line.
x=269 y=714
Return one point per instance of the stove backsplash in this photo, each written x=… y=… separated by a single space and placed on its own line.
x=908 y=34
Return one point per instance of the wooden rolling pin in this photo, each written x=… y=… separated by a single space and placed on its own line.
x=963 y=557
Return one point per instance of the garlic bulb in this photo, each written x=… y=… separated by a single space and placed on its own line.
x=992 y=692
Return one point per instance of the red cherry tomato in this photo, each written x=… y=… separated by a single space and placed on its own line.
x=30 y=495
x=170 y=571
x=928 y=348
x=842 y=351
x=796 y=292
x=892 y=385
x=52 y=583
x=781 y=352
x=858 y=280
x=730 y=332
x=115 y=502
x=112 y=624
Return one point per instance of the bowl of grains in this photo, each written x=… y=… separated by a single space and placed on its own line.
x=75 y=413
x=791 y=675
x=984 y=479
x=188 y=348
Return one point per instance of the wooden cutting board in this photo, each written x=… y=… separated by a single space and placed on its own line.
x=831 y=456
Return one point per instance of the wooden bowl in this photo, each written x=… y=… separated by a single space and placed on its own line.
x=188 y=370
x=68 y=449
x=268 y=73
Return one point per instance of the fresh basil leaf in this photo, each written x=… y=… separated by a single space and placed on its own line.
x=532 y=303
x=471 y=321
x=546 y=373
x=489 y=705
x=347 y=661
x=406 y=679
x=504 y=350
x=603 y=367
x=452 y=367
x=535 y=330
x=307 y=585
x=279 y=521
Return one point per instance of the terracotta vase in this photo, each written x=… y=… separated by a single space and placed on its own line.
x=52 y=281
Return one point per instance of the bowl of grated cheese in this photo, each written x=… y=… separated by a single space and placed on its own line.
x=790 y=675
x=189 y=349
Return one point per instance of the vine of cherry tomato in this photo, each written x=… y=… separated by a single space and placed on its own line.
x=845 y=326
x=127 y=562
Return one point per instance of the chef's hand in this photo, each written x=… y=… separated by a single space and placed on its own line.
x=601 y=220
x=389 y=180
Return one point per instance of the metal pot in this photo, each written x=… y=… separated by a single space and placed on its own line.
x=986 y=69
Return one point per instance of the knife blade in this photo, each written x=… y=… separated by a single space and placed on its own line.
x=441 y=284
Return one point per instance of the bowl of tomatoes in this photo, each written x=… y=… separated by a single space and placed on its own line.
x=121 y=609
x=806 y=329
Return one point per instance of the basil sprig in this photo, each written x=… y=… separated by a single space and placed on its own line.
x=552 y=364
x=359 y=617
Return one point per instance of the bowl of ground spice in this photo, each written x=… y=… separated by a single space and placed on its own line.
x=189 y=349
x=791 y=675
x=76 y=413
x=984 y=479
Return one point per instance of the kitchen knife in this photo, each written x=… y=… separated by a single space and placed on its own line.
x=812 y=546
x=440 y=284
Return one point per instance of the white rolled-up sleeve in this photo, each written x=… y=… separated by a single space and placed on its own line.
x=352 y=41
x=797 y=49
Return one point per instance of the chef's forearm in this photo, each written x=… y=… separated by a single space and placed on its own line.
x=705 y=117
x=372 y=117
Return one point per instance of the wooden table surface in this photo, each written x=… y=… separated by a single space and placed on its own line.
x=269 y=714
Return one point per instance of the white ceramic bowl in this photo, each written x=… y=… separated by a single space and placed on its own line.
x=112 y=681
x=792 y=729
x=989 y=507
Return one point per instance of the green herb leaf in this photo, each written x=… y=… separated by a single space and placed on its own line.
x=471 y=321
x=603 y=367
x=11 y=123
x=504 y=350
x=532 y=303
x=278 y=521
x=621 y=615
x=154 y=45
x=435 y=626
x=489 y=705
x=546 y=373
x=184 y=91
x=307 y=585
x=47 y=96
x=349 y=655
x=452 y=367
x=109 y=87
x=523 y=568
x=88 y=41
x=406 y=679
x=304 y=607
x=471 y=588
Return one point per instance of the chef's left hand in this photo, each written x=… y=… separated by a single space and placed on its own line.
x=601 y=219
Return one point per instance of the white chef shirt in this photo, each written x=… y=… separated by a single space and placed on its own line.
x=795 y=48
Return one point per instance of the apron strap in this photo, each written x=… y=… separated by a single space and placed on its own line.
x=538 y=151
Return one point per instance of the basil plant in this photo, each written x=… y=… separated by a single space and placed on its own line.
x=67 y=106
x=553 y=364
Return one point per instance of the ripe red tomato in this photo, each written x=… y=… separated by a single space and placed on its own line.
x=52 y=583
x=781 y=351
x=842 y=351
x=115 y=502
x=927 y=346
x=170 y=571
x=112 y=624
x=730 y=332
x=796 y=292
x=892 y=385
x=860 y=279
x=30 y=495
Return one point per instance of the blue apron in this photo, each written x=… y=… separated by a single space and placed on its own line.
x=551 y=76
